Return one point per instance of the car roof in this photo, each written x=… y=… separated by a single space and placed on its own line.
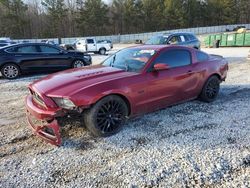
x=27 y=43
x=175 y=33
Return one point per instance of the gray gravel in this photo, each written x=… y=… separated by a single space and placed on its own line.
x=189 y=145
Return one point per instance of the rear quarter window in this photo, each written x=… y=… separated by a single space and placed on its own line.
x=201 y=56
x=11 y=50
x=192 y=37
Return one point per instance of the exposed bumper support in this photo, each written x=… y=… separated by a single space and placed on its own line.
x=38 y=120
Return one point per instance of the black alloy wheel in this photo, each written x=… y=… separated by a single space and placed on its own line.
x=107 y=116
x=211 y=89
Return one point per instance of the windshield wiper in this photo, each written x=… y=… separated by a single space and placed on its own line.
x=112 y=63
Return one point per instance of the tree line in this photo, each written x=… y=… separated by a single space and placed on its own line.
x=74 y=18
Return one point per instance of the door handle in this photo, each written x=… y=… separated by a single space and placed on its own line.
x=190 y=72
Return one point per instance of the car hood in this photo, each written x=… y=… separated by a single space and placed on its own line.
x=69 y=82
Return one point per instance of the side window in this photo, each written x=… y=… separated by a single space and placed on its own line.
x=26 y=49
x=187 y=38
x=201 y=56
x=11 y=50
x=90 y=41
x=175 y=58
x=174 y=40
x=48 y=49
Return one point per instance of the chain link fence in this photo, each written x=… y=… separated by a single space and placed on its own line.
x=131 y=38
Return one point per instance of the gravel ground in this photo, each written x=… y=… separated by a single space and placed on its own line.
x=189 y=145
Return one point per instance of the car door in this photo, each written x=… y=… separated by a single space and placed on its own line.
x=91 y=46
x=28 y=57
x=54 y=58
x=171 y=86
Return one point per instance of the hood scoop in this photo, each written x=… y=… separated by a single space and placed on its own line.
x=90 y=74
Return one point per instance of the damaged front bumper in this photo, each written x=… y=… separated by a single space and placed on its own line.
x=43 y=121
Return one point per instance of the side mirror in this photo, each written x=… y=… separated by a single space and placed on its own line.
x=161 y=66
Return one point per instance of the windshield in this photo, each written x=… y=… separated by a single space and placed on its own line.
x=130 y=59
x=157 y=40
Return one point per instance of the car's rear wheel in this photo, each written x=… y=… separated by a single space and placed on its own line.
x=102 y=51
x=10 y=71
x=211 y=89
x=78 y=64
x=107 y=116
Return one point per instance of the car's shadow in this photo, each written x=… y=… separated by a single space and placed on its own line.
x=77 y=136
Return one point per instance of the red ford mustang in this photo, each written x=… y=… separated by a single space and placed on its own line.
x=133 y=81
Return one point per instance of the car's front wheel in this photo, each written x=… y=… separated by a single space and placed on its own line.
x=78 y=64
x=107 y=116
x=210 y=89
x=10 y=71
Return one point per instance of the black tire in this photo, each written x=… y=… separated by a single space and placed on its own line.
x=210 y=89
x=78 y=63
x=10 y=71
x=102 y=51
x=107 y=116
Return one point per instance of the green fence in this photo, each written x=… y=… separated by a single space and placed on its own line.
x=228 y=39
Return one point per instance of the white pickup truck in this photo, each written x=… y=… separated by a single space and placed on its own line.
x=90 y=45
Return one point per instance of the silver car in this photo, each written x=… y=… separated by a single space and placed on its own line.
x=183 y=39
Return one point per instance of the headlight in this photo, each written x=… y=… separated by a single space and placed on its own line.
x=64 y=103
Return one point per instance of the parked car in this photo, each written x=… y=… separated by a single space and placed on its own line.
x=107 y=42
x=133 y=81
x=38 y=57
x=183 y=39
x=90 y=45
x=239 y=27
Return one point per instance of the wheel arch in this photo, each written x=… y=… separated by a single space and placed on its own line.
x=205 y=81
x=123 y=97
x=215 y=74
x=103 y=47
x=10 y=62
